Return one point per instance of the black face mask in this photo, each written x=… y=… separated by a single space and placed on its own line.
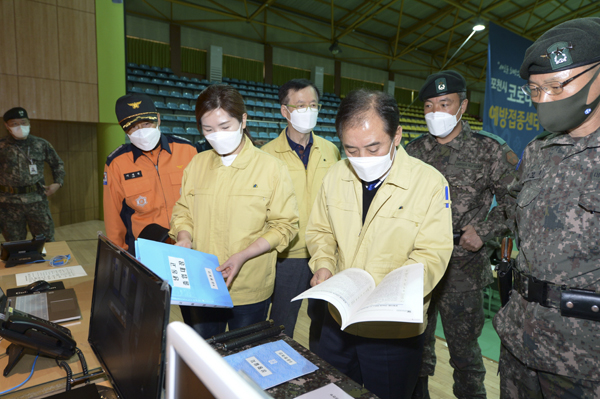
x=568 y=113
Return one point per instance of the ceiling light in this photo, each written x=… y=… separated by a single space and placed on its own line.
x=335 y=48
x=479 y=27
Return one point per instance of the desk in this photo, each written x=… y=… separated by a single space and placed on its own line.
x=325 y=375
x=48 y=378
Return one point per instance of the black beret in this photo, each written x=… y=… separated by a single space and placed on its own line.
x=566 y=46
x=15 y=113
x=442 y=83
x=133 y=108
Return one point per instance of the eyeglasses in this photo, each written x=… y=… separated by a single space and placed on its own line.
x=303 y=108
x=554 y=88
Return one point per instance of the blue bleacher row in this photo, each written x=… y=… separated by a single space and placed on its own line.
x=167 y=129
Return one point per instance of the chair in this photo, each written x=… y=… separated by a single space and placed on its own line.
x=132 y=65
x=155 y=68
x=168 y=83
x=160 y=105
x=173 y=106
x=168 y=117
x=176 y=94
x=165 y=129
x=192 y=86
x=144 y=66
x=133 y=78
x=193 y=131
x=187 y=94
x=150 y=74
x=181 y=118
x=151 y=92
x=167 y=70
x=163 y=93
x=185 y=107
x=263 y=135
x=155 y=81
x=178 y=130
x=162 y=75
x=273 y=135
x=180 y=84
x=136 y=89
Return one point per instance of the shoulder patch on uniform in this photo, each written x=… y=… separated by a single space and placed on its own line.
x=512 y=158
x=491 y=136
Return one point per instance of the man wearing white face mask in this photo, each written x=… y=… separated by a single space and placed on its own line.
x=142 y=180
x=477 y=165
x=23 y=192
x=308 y=158
x=379 y=210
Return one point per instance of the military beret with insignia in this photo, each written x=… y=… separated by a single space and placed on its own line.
x=134 y=108
x=442 y=83
x=15 y=113
x=566 y=46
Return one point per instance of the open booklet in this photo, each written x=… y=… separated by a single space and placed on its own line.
x=399 y=296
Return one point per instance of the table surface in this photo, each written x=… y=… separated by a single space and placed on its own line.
x=325 y=375
x=48 y=378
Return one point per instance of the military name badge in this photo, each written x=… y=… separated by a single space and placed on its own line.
x=105 y=180
x=559 y=55
x=33 y=169
x=440 y=85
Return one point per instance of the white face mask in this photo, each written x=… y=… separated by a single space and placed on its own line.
x=20 y=132
x=441 y=124
x=145 y=139
x=225 y=141
x=304 y=122
x=372 y=168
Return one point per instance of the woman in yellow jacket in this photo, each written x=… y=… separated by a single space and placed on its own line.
x=379 y=210
x=238 y=203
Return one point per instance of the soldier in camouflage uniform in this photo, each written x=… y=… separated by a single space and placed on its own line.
x=477 y=165
x=550 y=328
x=23 y=193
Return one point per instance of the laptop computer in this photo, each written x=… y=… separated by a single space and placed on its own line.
x=57 y=306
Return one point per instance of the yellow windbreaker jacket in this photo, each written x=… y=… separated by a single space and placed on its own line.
x=409 y=221
x=227 y=208
x=307 y=181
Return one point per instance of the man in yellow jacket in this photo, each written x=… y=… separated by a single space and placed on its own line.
x=379 y=210
x=308 y=157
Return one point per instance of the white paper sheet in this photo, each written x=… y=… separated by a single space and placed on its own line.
x=328 y=391
x=53 y=274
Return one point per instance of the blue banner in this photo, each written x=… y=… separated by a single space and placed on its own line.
x=508 y=111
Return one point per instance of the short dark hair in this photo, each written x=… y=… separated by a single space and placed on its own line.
x=295 y=85
x=358 y=103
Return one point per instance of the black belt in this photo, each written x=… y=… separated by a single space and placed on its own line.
x=572 y=302
x=19 y=190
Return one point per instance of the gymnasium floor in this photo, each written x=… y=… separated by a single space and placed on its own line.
x=82 y=239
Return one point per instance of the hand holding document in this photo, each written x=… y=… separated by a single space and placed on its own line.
x=398 y=298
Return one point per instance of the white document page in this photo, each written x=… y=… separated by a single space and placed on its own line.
x=345 y=291
x=399 y=297
x=328 y=391
x=62 y=273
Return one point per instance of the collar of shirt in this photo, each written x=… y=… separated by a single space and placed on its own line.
x=297 y=148
x=164 y=145
x=456 y=143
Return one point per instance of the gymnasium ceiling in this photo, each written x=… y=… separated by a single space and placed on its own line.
x=410 y=37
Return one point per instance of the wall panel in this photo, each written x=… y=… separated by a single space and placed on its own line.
x=79 y=101
x=37 y=39
x=77 y=46
x=8 y=60
x=81 y=5
x=40 y=97
x=9 y=92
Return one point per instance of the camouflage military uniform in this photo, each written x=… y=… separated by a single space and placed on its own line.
x=477 y=167
x=558 y=224
x=31 y=208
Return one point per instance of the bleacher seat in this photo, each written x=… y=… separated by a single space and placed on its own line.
x=168 y=117
x=260 y=114
x=150 y=74
x=132 y=65
x=253 y=124
x=269 y=115
x=175 y=94
x=138 y=72
x=178 y=130
x=191 y=86
x=167 y=70
x=318 y=129
x=163 y=93
x=250 y=103
x=185 y=107
x=155 y=68
x=160 y=105
x=157 y=81
x=243 y=92
x=235 y=80
x=151 y=92
x=260 y=104
x=180 y=84
x=165 y=130
x=273 y=135
x=264 y=125
x=195 y=80
x=144 y=66
x=187 y=94
x=329 y=138
x=172 y=106
x=136 y=89
x=184 y=78
x=182 y=118
x=336 y=139
x=168 y=83
x=254 y=135
x=133 y=78
x=263 y=135
x=252 y=114
x=193 y=131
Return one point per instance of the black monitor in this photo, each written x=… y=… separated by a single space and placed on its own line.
x=20 y=252
x=129 y=316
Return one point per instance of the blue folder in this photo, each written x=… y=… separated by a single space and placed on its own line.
x=191 y=274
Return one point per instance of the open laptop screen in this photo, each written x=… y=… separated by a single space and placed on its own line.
x=130 y=311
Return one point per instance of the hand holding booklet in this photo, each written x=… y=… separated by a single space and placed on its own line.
x=192 y=274
x=398 y=298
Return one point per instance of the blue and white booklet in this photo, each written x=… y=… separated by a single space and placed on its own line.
x=192 y=274
x=271 y=364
